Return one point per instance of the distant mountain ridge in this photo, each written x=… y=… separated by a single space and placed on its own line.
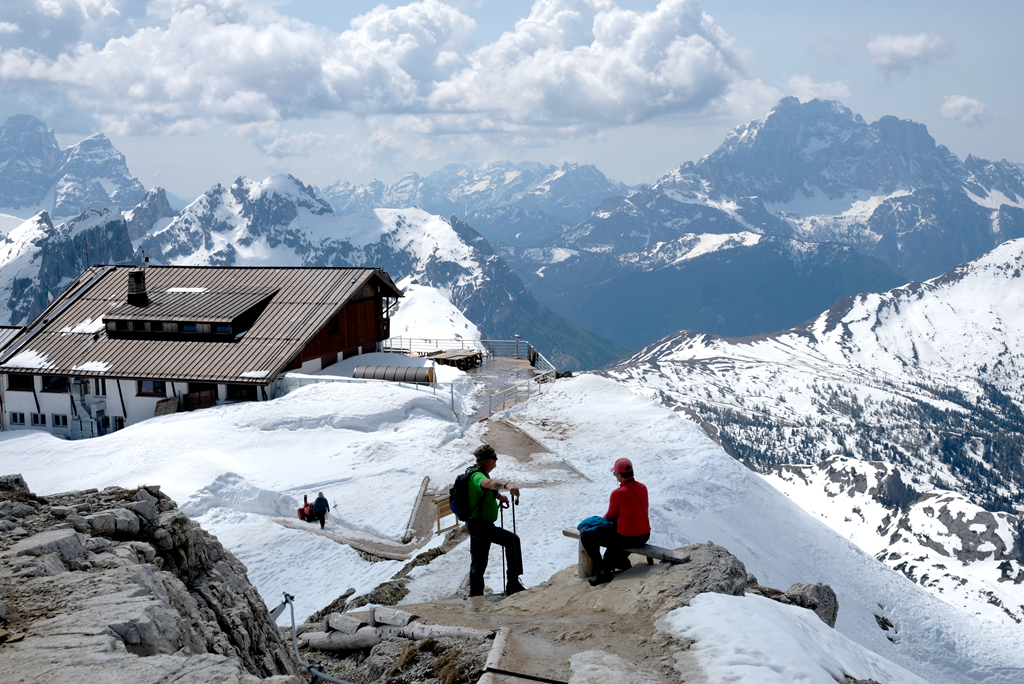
x=553 y=197
x=36 y=175
x=819 y=173
x=727 y=284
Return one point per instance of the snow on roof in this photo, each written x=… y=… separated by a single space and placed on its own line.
x=93 y=367
x=30 y=358
x=88 y=326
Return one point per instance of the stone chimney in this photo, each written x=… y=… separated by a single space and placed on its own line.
x=137 y=288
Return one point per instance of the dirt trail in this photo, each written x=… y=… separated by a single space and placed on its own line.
x=550 y=623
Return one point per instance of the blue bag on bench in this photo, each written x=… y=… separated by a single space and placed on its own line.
x=592 y=523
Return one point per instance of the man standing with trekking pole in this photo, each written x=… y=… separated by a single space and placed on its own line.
x=482 y=531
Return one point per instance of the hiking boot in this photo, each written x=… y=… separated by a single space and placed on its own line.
x=623 y=565
x=600 y=578
x=514 y=586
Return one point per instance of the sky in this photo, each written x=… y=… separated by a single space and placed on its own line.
x=197 y=93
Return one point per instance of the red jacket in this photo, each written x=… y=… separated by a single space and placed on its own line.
x=628 y=508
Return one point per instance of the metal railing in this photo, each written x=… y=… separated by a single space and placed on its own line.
x=521 y=391
x=506 y=349
x=492 y=349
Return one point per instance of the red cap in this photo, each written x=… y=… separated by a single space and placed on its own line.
x=623 y=465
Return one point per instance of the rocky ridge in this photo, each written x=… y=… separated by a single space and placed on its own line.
x=119 y=585
x=37 y=257
x=546 y=626
x=540 y=199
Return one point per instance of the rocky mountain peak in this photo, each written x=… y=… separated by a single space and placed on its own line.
x=29 y=158
x=153 y=208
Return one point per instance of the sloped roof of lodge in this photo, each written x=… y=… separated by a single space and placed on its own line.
x=70 y=337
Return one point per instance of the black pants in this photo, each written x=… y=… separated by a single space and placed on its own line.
x=609 y=538
x=321 y=515
x=483 y=533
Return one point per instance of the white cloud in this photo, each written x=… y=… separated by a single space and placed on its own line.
x=191 y=65
x=964 y=109
x=9 y=27
x=903 y=54
x=271 y=138
x=589 y=60
x=805 y=88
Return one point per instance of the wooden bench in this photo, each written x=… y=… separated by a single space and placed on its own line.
x=585 y=566
x=444 y=509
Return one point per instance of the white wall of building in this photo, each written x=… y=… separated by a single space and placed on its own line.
x=122 y=405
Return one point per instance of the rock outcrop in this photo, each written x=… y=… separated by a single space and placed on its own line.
x=119 y=585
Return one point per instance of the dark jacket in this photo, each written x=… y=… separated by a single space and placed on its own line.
x=321 y=505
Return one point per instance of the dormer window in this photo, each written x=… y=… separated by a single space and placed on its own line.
x=202 y=313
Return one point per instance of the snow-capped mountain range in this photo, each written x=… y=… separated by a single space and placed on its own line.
x=281 y=222
x=818 y=172
x=36 y=175
x=925 y=379
x=967 y=556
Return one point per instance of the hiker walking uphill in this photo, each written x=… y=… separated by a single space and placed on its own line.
x=630 y=525
x=483 y=511
x=320 y=508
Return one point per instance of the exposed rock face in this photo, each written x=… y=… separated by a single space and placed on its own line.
x=119 y=585
x=39 y=256
x=29 y=158
x=153 y=209
x=817 y=597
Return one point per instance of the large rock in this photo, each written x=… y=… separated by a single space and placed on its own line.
x=645 y=592
x=144 y=595
x=13 y=483
x=818 y=597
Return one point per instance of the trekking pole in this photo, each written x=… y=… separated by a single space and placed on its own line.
x=501 y=511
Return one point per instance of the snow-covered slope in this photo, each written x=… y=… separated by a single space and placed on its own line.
x=965 y=555
x=926 y=377
x=368 y=446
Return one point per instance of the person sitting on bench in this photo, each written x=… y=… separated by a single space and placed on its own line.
x=627 y=508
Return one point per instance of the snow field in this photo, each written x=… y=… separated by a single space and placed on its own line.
x=755 y=639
